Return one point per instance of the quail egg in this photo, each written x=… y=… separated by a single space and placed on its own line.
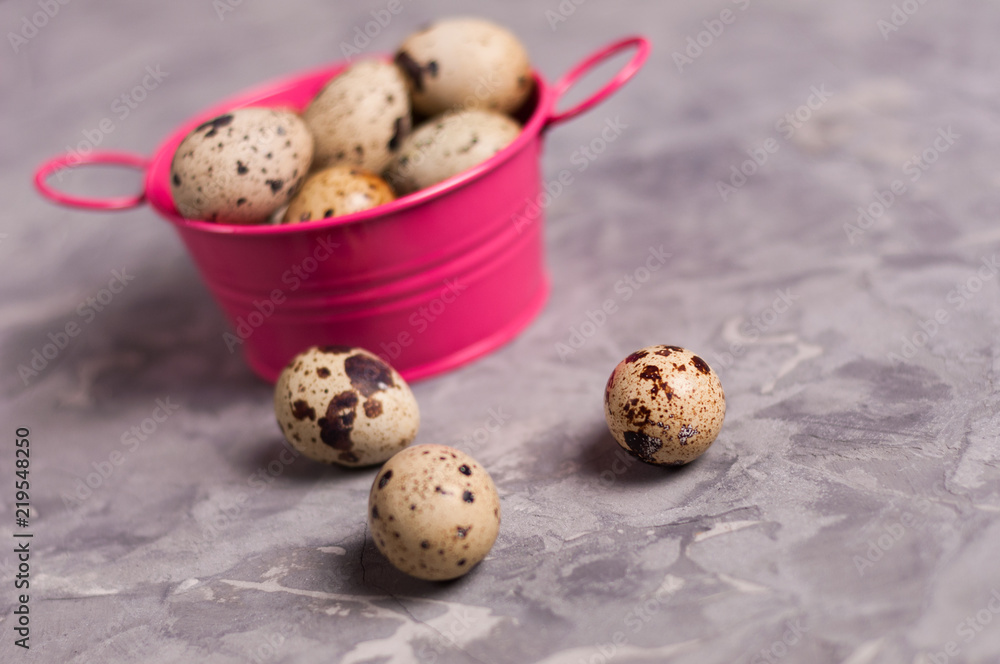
x=448 y=145
x=344 y=405
x=335 y=191
x=238 y=168
x=465 y=63
x=433 y=512
x=664 y=404
x=361 y=116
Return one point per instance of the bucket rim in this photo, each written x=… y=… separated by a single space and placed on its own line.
x=543 y=116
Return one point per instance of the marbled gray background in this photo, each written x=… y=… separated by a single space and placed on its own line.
x=850 y=507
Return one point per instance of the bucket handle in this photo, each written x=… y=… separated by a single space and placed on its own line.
x=643 y=48
x=72 y=160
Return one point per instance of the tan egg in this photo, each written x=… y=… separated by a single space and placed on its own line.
x=344 y=405
x=448 y=145
x=665 y=405
x=240 y=167
x=463 y=63
x=361 y=116
x=433 y=512
x=336 y=191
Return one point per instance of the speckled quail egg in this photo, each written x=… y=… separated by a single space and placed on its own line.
x=361 y=116
x=448 y=145
x=240 y=167
x=664 y=404
x=465 y=63
x=336 y=191
x=344 y=405
x=433 y=512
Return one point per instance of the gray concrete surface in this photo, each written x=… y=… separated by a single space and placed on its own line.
x=849 y=511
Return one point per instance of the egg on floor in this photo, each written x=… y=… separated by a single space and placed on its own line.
x=433 y=512
x=344 y=405
x=361 y=116
x=448 y=145
x=460 y=63
x=336 y=191
x=664 y=405
x=238 y=168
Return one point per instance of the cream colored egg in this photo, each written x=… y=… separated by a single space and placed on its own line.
x=664 y=404
x=433 y=512
x=461 y=63
x=336 y=191
x=344 y=405
x=361 y=116
x=240 y=167
x=449 y=145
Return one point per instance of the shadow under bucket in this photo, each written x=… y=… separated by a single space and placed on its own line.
x=429 y=282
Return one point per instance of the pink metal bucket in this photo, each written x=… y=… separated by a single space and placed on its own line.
x=429 y=282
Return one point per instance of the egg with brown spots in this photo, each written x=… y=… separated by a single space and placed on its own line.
x=344 y=405
x=434 y=512
x=664 y=405
x=462 y=63
x=448 y=145
x=240 y=167
x=336 y=191
x=361 y=116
